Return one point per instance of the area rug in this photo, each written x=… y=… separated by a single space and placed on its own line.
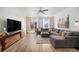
x=43 y=41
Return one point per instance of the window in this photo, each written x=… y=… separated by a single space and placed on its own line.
x=34 y=23
x=45 y=22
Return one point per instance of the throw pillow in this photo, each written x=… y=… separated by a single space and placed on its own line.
x=66 y=34
x=60 y=33
x=63 y=33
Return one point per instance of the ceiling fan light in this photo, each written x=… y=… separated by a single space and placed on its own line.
x=42 y=11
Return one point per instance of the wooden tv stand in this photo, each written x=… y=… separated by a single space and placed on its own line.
x=10 y=39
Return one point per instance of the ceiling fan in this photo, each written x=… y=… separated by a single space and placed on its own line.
x=41 y=10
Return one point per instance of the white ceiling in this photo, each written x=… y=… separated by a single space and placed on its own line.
x=51 y=11
x=32 y=11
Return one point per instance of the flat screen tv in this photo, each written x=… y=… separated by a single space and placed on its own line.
x=13 y=25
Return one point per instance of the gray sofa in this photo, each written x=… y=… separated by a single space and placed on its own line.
x=71 y=41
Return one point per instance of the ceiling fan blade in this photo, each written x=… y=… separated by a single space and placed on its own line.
x=42 y=12
x=45 y=10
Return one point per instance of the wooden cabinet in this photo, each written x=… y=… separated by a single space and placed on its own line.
x=10 y=39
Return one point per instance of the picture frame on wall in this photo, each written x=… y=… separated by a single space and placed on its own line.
x=63 y=22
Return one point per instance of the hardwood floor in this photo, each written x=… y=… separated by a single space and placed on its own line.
x=29 y=44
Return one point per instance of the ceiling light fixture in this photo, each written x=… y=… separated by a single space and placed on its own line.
x=76 y=22
x=41 y=10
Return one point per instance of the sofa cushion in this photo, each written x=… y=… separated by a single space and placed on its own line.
x=74 y=34
x=53 y=33
x=44 y=32
x=57 y=37
x=60 y=33
x=63 y=33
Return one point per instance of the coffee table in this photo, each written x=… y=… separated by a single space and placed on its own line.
x=44 y=34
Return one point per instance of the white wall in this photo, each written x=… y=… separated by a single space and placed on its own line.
x=73 y=13
x=28 y=21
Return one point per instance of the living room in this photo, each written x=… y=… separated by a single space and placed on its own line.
x=47 y=28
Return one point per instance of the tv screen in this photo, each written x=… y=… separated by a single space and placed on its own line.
x=13 y=25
